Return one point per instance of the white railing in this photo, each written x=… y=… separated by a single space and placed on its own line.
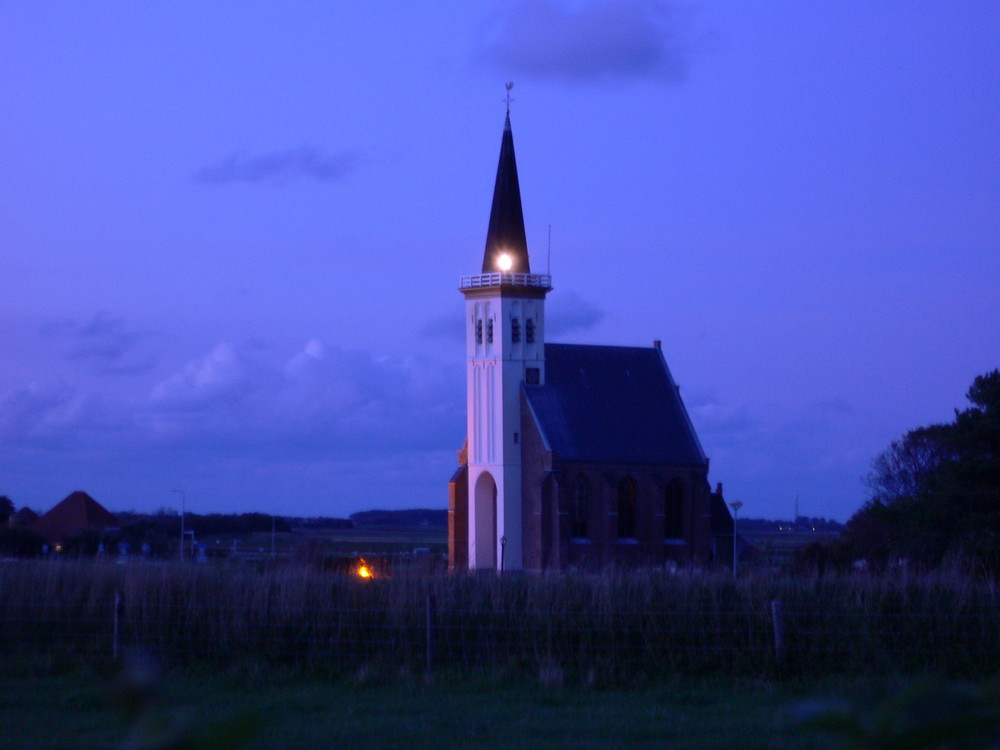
x=539 y=280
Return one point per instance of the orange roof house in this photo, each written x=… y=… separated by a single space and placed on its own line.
x=78 y=511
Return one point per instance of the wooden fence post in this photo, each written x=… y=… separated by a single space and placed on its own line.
x=119 y=612
x=431 y=625
x=778 y=620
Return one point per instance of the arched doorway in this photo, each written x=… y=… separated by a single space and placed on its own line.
x=486 y=522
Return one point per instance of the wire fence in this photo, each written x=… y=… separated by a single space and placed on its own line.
x=609 y=627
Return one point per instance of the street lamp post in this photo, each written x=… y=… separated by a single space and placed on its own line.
x=735 y=505
x=183 y=508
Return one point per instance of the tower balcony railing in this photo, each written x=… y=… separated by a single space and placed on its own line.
x=537 y=280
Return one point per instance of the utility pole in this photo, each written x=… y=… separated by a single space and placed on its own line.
x=735 y=505
x=183 y=509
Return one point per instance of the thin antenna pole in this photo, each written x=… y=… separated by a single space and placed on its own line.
x=548 y=261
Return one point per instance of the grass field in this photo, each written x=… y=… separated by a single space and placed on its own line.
x=320 y=659
x=75 y=711
x=616 y=628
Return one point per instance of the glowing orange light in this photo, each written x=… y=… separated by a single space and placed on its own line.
x=364 y=571
x=505 y=262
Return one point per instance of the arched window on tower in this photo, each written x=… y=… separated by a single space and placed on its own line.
x=515 y=330
x=673 y=510
x=529 y=331
x=626 y=508
x=579 y=508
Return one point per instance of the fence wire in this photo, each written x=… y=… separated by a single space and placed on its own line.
x=617 y=626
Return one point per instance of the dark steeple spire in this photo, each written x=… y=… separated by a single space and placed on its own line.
x=506 y=232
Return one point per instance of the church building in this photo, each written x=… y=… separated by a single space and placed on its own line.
x=576 y=456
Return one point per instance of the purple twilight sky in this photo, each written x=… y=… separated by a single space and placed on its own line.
x=231 y=233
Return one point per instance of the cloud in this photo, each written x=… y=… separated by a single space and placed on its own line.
x=723 y=424
x=278 y=167
x=225 y=375
x=570 y=312
x=321 y=399
x=50 y=414
x=833 y=406
x=448 y=326
x=104 y=341
x=599 y=41
x=768 y=453
x=239 y=400
x=567 y=312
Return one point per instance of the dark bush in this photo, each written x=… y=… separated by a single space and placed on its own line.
x=20 y=542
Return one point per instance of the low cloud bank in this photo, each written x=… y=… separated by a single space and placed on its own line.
x=600 y=41
x=278 y=167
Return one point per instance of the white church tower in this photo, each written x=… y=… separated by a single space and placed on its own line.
x=505 y=347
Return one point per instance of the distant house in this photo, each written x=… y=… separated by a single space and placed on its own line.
x=22 y=519
x=76 y=513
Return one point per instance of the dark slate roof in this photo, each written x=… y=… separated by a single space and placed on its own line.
x=612 y=404
x=506 y=230
x=78 y=511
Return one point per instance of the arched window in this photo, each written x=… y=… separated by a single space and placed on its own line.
x=673 y=510
x=579 y=508
x=626 y=508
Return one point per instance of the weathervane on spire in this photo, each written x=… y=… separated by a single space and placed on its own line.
x=510 y=85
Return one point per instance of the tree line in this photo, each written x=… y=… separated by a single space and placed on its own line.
x=934 y=494
x=154 y=534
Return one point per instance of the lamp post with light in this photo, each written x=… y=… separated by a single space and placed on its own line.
x=183 y=509
x=735 y=505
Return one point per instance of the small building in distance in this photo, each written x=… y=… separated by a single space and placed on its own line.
x=77 y=512
x=576 y=456
x=22 y=519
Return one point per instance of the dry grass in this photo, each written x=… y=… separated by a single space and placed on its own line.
x=589 y=629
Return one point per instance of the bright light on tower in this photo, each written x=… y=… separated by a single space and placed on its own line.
x=504 y=262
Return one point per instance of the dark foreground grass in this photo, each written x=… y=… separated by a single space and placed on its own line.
x=75 y=711
x=621 y=627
